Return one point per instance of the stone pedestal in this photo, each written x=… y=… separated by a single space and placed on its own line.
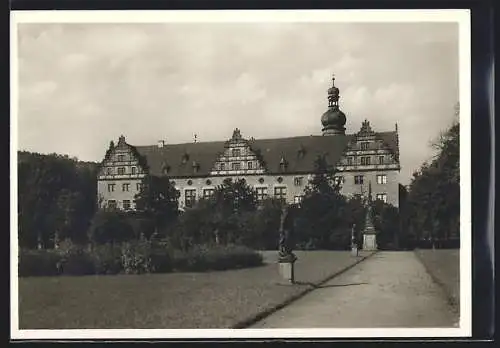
x=354 y=250
x=369 y=242
x=287 y=271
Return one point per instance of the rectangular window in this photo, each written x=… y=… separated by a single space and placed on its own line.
x=121 y=158
x=236 y=152
x=126 y=204
x=112 y=204
x=358 y=179
x=364 y=146
x=382 y=197
x=110 y=171
x=236 y=166
x=133 y=170
x=380 y=159
x=349 y=161
x=297 y=181
x=222 y=166
x=298 y=199
x=207 y=193
x=381 y=179
x=111 y=187
x=280 y=193
x=249 y=165
x=190 y=197
x=138 y=186
x=365 y=161
x=261 y=193
x=125 y=187
x=121 y=170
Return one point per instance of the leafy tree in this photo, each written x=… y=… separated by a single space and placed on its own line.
x=158 y=201
x=433 y=204
x=386 y=223
x=321 y=220
x=56 y=198
x=110 y=226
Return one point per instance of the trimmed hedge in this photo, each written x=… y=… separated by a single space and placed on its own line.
x=134 y=258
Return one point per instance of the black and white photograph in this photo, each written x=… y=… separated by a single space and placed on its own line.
x=240 y=174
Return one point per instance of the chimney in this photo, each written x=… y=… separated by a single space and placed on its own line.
x=161 y=143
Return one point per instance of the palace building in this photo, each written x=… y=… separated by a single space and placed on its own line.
x=279 y=167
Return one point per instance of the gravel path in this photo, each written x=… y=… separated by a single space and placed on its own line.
x=391 y=289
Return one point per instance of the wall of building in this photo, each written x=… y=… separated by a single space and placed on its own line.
x=391 y=188
x=120 y=167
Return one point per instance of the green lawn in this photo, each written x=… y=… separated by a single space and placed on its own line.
x=167 y=301
x=444 y=266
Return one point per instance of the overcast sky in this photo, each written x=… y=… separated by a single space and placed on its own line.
x=82 y=85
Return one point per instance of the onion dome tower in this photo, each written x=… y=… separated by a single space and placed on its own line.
x=333 y=120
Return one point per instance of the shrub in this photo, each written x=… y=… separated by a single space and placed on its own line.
x=107 y=259
x=206 y=258
x=136 y=257
x=38 y=263
x=76 y=261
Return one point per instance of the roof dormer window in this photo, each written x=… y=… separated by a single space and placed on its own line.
x=283 y=164
x=196 y=166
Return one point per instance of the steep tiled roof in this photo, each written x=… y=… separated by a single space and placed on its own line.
x=299 y=153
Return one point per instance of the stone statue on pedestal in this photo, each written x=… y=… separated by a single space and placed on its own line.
x=285 y=241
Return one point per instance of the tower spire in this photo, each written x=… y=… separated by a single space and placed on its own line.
x=333 y=94
x=333 y=120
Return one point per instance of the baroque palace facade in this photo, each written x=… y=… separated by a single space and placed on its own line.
x=279 y=168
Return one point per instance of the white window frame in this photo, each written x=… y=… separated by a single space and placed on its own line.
x=129 y=204
x=382 y=197
x=381 y=179
x=195 y=195
x=266 y=187
x=280 y=187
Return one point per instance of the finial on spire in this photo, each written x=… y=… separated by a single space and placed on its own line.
x=333 y=94
x=195 y=137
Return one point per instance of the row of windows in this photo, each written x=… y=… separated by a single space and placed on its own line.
x=190 y=197
x=261 y=193
x=122 y=170
x=298 y=181
x=359 y=179
x=125 y=187
x=365 y=160
x=126 y=204
x=238 y=166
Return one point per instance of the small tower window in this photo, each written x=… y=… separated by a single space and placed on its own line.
x=249 y=165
